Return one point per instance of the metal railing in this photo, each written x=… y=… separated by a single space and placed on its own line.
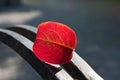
x=21 y=37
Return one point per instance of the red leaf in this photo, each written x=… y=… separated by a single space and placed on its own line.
x=54 y=43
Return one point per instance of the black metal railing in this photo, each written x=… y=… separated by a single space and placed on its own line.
x=21 y=37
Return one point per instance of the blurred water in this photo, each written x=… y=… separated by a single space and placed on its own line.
x=97 y=25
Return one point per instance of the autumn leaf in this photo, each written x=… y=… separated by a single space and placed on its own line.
x=54 y=43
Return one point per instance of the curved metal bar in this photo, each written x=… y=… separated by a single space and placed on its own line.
x=30 y=32
x=23 y=47
x=77 y=67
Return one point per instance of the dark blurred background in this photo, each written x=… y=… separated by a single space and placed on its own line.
x=96 y=23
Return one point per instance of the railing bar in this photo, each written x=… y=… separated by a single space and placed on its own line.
x=27 y=54
x=55 y=70
x=69 y=67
